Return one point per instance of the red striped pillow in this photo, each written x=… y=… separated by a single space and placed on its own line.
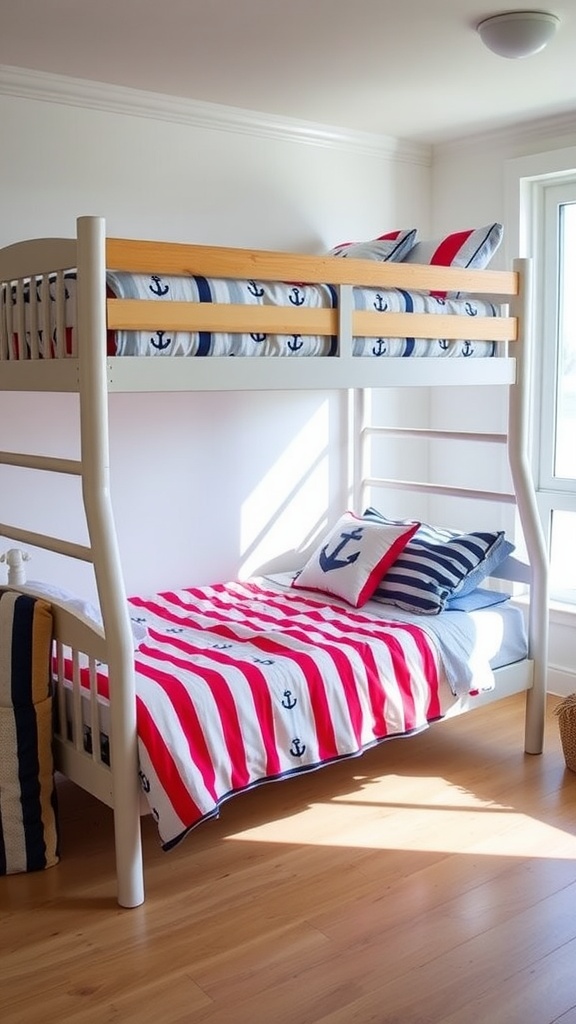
x=472 y=248
x=392 y=247
x=351 y=561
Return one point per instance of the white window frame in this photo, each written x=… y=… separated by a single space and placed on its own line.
x=533 y=184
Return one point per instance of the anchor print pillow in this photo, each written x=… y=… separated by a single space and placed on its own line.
x=353 y=558
x=390 y=248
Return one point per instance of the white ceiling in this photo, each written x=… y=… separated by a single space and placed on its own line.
x=414 y=69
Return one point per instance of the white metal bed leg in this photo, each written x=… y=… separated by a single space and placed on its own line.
x=128 y=845
x=535 y=713
x=91 y=292
x=528 y=510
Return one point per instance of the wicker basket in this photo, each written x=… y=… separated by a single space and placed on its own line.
x=566 y=711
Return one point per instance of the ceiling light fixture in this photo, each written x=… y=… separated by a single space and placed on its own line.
x=518 y=33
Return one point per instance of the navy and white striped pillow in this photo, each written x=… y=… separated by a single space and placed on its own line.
x=438 y=564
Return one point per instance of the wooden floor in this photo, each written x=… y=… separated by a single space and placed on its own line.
x=432 y=880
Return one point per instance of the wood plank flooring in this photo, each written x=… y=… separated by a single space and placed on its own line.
x=431 y=880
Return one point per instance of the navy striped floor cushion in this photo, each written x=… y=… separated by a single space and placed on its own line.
x=28 y=821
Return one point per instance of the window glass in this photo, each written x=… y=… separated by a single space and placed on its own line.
x=563 y=556
x=545 y=185
x=556 y=379
x=565 y=447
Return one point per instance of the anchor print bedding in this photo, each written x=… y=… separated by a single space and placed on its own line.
x=204 y=343
x=243 y=683
x=210 y=290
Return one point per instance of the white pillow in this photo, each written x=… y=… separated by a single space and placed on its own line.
x=472 y=248
x=392 y=247
x=353 y=558
x=79 y=606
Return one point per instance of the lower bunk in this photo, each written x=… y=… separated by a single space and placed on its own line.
x=244 y=683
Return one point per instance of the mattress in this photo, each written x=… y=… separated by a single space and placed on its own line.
x=244 y=683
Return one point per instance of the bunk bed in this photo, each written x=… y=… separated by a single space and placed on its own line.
x=86 y=295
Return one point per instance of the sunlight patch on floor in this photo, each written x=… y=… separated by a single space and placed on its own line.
x=417 y=815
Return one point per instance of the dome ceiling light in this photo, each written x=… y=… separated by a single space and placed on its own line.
x=518 y=33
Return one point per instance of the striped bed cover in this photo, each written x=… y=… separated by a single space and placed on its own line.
x=238 y=684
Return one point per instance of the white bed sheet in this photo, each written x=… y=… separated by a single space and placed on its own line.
x=472 y=644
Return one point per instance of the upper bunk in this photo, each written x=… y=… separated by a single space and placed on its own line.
x=112 y=307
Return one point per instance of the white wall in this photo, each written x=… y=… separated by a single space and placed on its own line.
x=469 y=182
x=204 y=486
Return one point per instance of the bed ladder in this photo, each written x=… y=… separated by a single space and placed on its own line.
x=523 y=498
x=87 y=254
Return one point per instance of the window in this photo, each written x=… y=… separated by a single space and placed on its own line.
x=554 y=240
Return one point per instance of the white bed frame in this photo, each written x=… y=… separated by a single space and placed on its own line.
x=89 y=372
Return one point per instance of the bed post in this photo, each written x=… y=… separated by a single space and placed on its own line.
x=356 y=445
x=518 y=437
x=93 y=393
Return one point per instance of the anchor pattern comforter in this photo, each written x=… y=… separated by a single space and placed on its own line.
x=250 y=292
x=263 y=293
x=241 y=683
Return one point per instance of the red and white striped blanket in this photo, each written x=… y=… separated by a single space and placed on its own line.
x=239 y=683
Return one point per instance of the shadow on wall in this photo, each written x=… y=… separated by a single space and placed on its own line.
x=204 y=487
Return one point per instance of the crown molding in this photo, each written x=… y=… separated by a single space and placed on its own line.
x=79 y=92
x=555 y=126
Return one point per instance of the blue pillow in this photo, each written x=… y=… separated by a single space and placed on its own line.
x=476 y=599
x=437 y=565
